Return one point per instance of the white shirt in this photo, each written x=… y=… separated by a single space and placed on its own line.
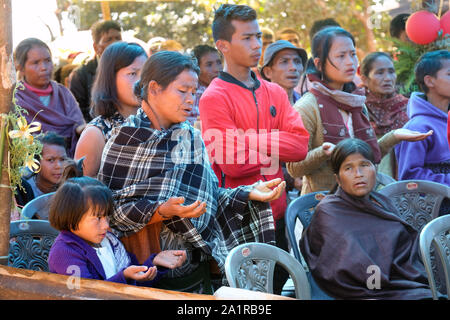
x=106 y=256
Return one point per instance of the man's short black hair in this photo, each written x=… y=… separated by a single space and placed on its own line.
x=101 y=27
x=222 y=28
x=429 y=64
x=398 y=24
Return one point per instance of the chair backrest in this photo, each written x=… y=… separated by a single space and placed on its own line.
x=30 y=243
x=418 y=201
x=39 y=206
x=435 y=235
x=383 y=180
x=251 y=266
x=301 y=208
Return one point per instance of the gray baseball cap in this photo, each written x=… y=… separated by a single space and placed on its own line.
x=273 y=48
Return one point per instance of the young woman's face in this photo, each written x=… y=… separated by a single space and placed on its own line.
x=53 y=161
x=92 y=227
x=381 y=78
x=174 y=104
x=357 y=175
x=441 y=82
x=342 y=62
x=210 y=65
x=125 y=80
x=38 y=67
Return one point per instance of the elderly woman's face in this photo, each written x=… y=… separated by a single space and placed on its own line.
x=357 y=175
x=174 y=104
x=381 y=78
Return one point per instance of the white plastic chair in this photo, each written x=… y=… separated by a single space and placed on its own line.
x=251 y=266
x=435 y=237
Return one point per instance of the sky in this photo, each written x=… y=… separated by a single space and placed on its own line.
x=29 y=18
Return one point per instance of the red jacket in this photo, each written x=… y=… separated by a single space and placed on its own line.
x=270 y=131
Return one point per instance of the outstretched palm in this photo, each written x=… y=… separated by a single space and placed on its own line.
x=409 y=135
x=262 y=191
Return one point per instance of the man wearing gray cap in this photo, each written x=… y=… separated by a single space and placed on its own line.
x=284 y=64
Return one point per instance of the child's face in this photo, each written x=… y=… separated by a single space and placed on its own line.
x=92 y=228
x=441 y=82
x=52 y=163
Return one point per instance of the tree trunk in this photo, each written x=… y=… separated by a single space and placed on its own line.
x=7 y=83
x=105 y=10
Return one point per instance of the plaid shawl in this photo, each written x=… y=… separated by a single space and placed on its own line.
x=145 y=167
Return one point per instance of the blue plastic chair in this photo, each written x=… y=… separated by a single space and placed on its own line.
x=302 y=208
x=30 y=243
x=38 y=207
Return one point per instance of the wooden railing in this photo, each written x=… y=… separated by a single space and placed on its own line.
x=22 y=284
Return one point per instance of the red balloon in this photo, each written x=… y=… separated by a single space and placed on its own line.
x=422 y=27
x=445 y=23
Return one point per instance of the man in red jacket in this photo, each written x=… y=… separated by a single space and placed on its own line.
x=248 y=124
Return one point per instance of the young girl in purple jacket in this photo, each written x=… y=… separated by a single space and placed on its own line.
x=80 y=209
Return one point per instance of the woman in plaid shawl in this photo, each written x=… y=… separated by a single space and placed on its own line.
x=166 y=193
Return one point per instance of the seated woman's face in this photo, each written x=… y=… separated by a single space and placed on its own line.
x=381 y=78
x=125 y=79
x=52 y=163
x=174 y=104
x=357 y=175
x=38 y=67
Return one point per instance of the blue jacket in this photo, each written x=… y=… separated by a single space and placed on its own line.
x=69 y=251
x=428 y=159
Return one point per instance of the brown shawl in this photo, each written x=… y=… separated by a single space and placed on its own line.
x=349 y=237
x=335 y=130
x=386 y=114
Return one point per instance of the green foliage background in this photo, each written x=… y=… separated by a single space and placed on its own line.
x=189 y=22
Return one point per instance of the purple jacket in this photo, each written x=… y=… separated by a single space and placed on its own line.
x=69 y=251
x=428 y=159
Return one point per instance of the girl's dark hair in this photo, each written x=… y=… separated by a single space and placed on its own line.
x=74 y=198
x=104 y=91
x=320 y=48
x=346 y=148
x=73 y=169
x=199 y=51
x=21 y=52
x=429 y=64
x=163 y=67
x=367 y=62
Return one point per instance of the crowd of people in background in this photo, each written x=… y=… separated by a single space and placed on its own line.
x=188 y=152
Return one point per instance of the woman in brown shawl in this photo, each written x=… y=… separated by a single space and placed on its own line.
x=387 y=108
x=357 y=246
